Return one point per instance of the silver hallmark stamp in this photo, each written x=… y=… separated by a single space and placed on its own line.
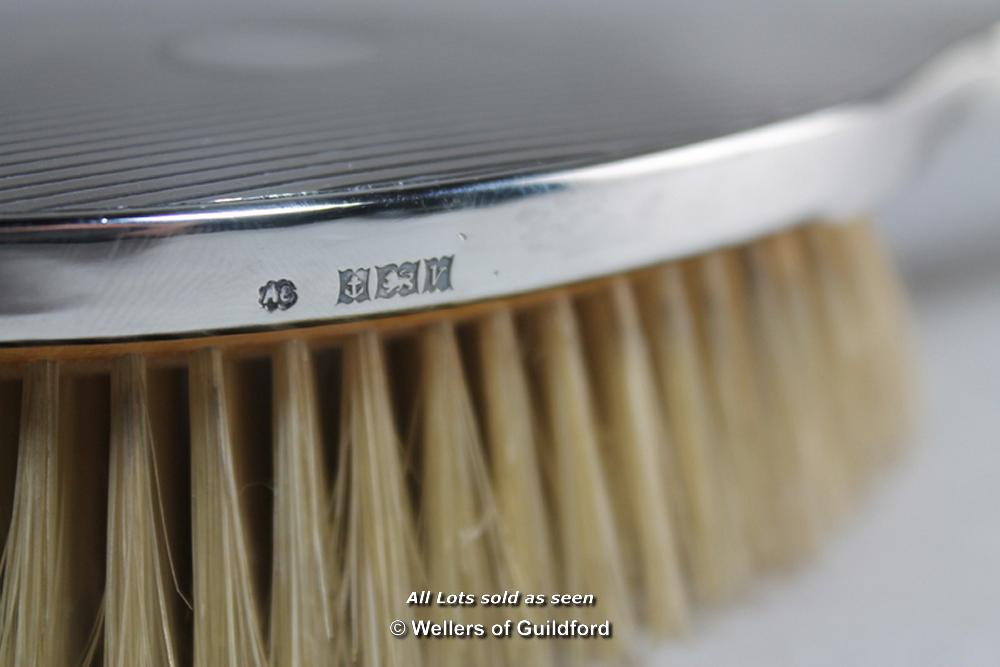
x=353 y=286
x=396 y=280
x=432 y=274
x=277 y=295
x=437 y=276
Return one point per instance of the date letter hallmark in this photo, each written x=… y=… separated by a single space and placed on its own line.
x=396 y=280
x=277 y=295
x=438 y=274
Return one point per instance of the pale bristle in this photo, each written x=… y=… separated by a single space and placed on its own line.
x=880 y=308
x=510 y=433
x=460 y=537
x=653 y=439
x=796 y=396
x=375 y=518
x=302 y=615
x=846 y=358
x=141 y=605
x=634 y=450
x=590 y=546
x=807 y=337
x=227 y=625
x=33 y=621
x=711 y=464
x=737 y=407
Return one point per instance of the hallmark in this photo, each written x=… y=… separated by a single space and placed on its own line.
x=277 y=295
x=438 y=274
x=395 y=280
x=353 y=285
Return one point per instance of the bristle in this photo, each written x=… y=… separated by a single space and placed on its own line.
x=789 y=387
x=847 y=364
x=787 y=255
x=141 y=604
x=510 y=429
x=882 y=311
x=374 y=521
x=227 y=617
x=460 y=536
x=34 y=623
x=737 y=405
x=512 y=445
x=647 y=436
x=712 y=470
x=590 y=547
x=796 y=447
x=633 y=453
x=302 y=616
x=865 y=323
x=522 y=509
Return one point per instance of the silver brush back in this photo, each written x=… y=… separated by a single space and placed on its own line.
x=358 y=161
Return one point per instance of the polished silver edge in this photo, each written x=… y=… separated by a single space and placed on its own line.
x=137 y=275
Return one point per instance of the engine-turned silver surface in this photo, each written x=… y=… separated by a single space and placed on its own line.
x=164 y=168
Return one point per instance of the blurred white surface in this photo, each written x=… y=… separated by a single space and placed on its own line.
x=914 y=579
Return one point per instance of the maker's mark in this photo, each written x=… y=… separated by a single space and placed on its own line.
x=277 y=295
